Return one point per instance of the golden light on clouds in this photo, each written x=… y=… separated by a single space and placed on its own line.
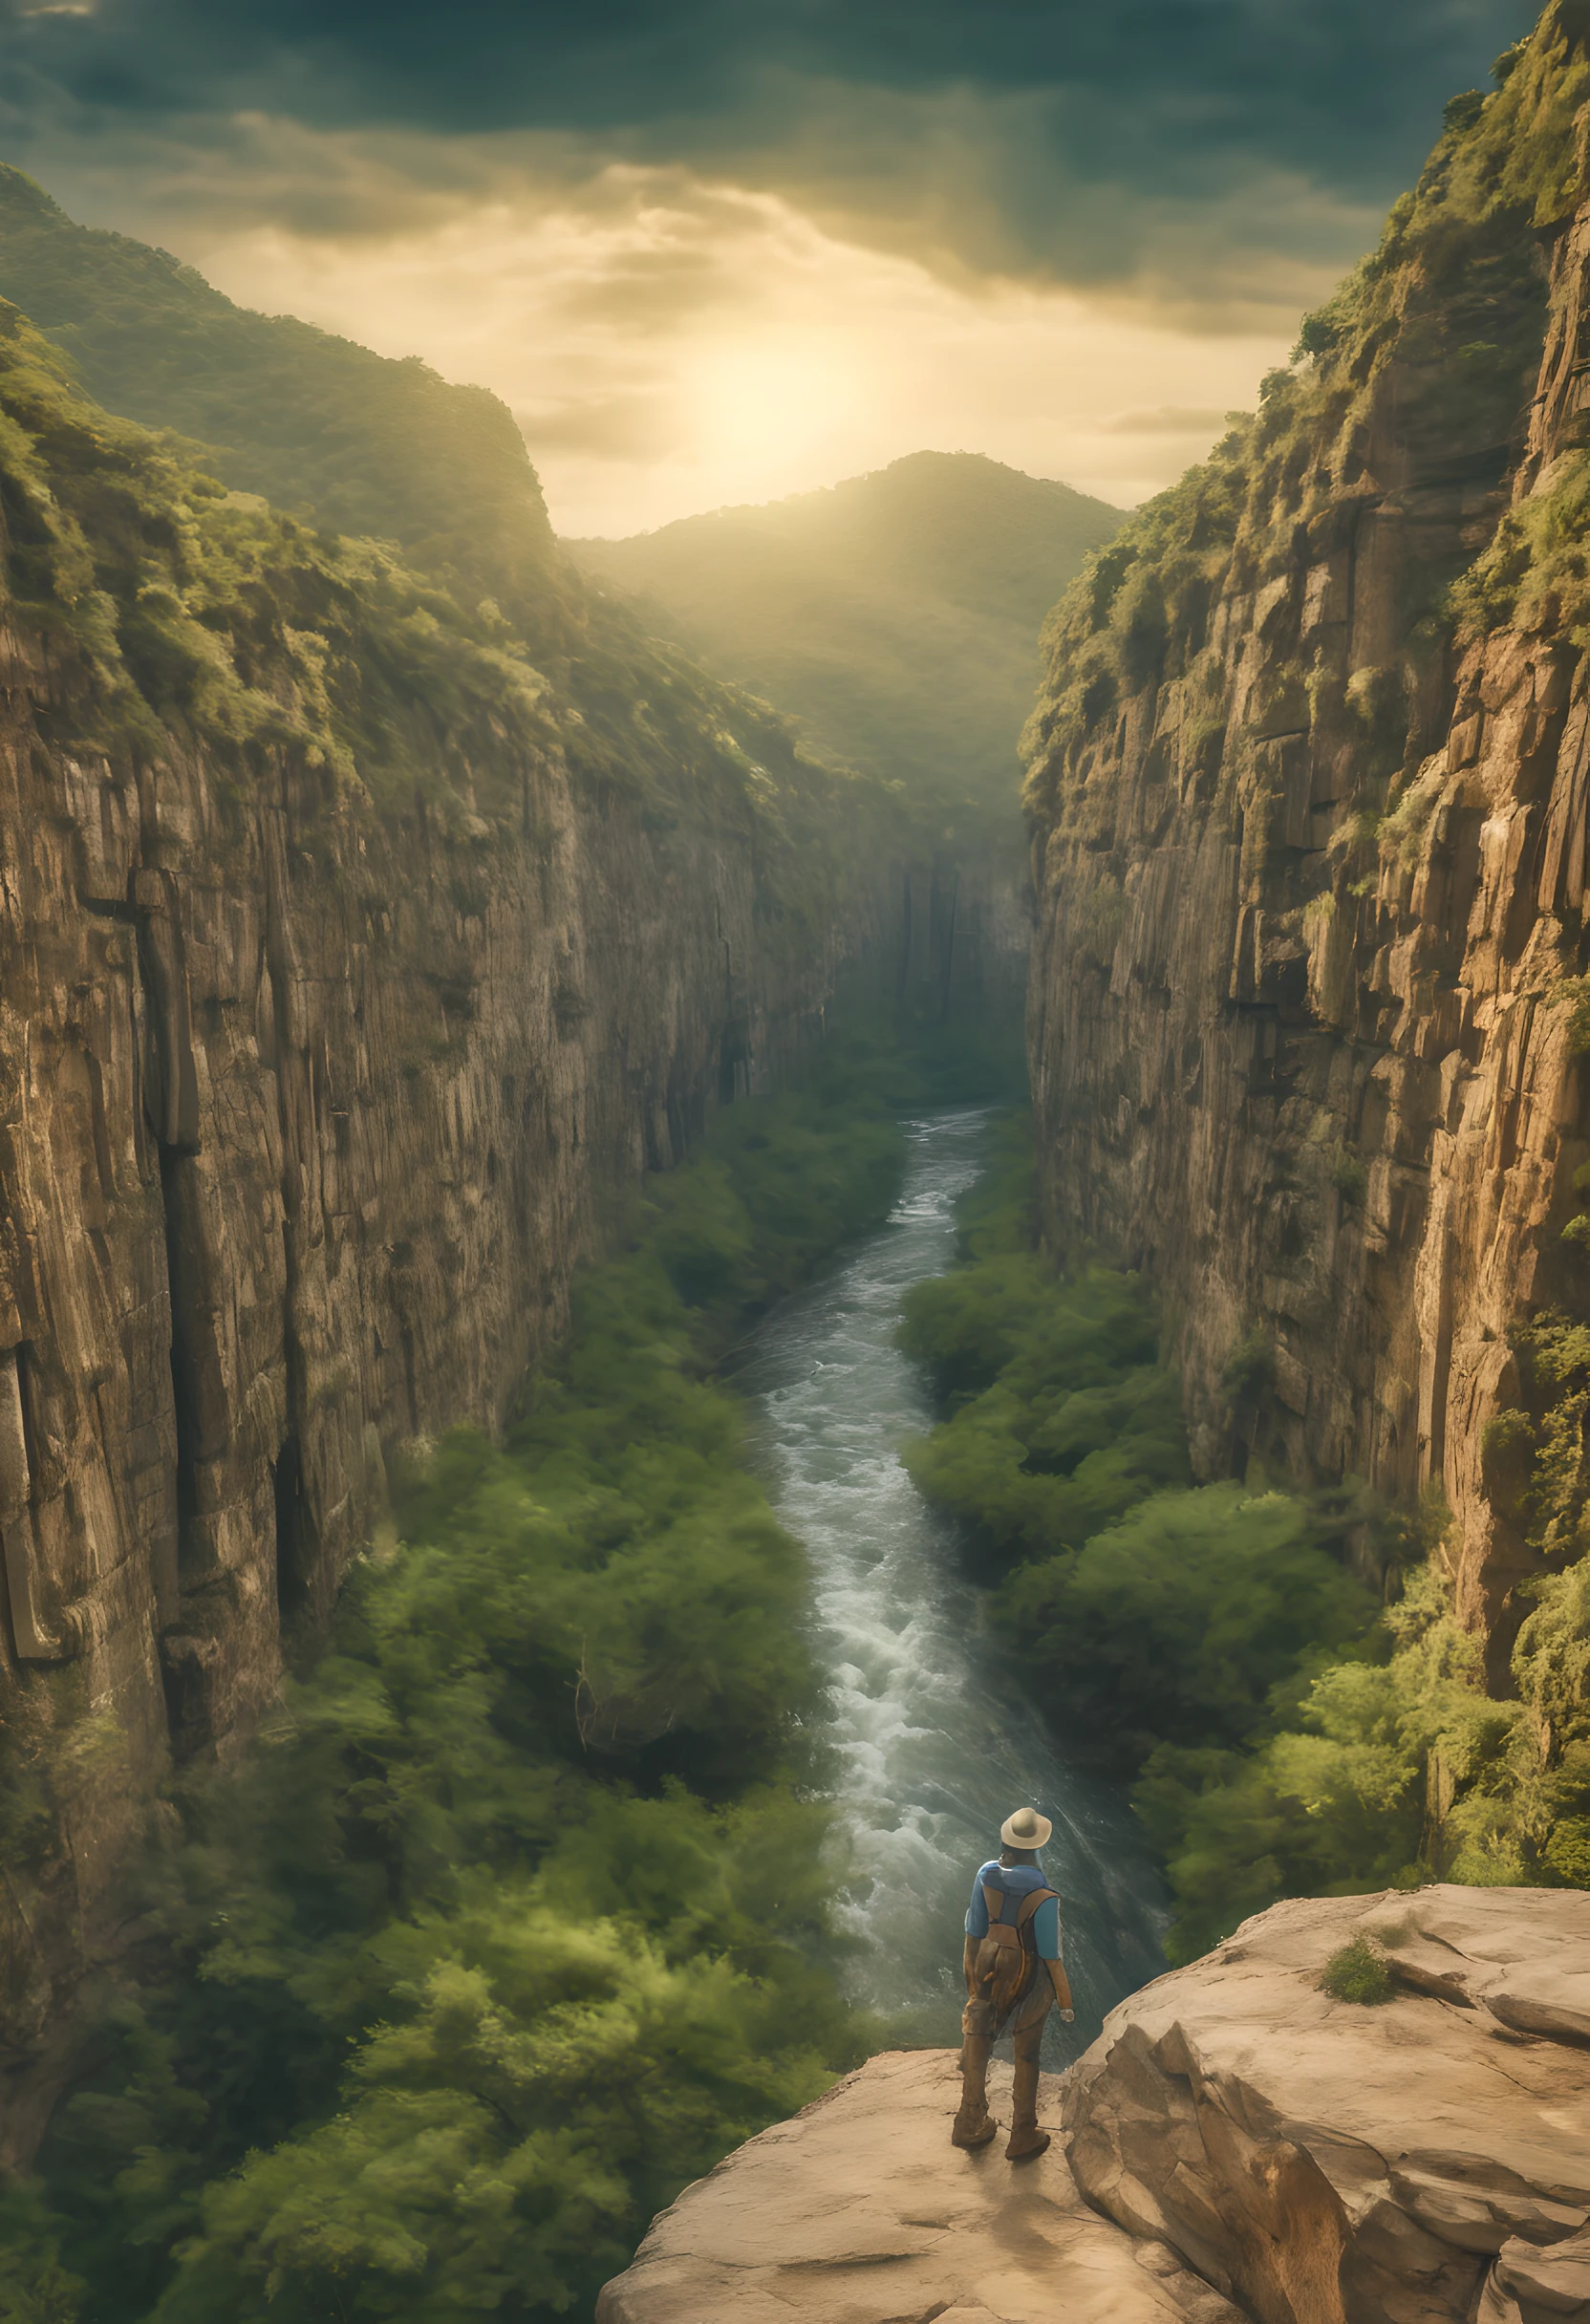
x=670 y=345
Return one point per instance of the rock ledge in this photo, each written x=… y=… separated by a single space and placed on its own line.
x=1238 y=2145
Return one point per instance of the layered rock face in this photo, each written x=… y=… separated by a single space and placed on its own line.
x=1310 y=852
x=314 y=1093
x=1237 y=2145
x=308 y=1117
x=1325 y=2162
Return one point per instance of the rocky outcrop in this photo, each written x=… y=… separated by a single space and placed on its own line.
x=859 y=2210
x=1310 y=854
x=1323 y=2161
x=1237 y=2144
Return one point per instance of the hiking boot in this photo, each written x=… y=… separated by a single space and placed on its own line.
x=1026 y=2142
x=974 y=2129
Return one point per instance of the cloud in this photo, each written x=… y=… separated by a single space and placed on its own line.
x=1166 y=420
x=711 y=250
x=1191 y=150
x=775 y=354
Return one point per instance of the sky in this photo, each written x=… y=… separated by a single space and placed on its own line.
x=718 y=250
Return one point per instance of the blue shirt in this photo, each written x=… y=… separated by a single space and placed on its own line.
x=1017 y=1881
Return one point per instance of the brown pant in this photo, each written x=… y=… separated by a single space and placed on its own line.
x=979 y=2032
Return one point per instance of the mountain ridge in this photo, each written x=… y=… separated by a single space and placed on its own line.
x=312 y=421
x=897 y=612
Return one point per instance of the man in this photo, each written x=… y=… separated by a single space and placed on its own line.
x=1013 y=1978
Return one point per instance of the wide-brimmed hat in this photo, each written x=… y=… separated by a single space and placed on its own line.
x=1026 y=1829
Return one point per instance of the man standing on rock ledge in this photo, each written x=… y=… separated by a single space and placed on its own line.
x=1014 y=1978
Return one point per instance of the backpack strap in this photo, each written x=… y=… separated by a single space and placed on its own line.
x=994 y=1901
x=1027 y=1914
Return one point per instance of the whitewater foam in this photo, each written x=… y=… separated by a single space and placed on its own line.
x=932 y=1744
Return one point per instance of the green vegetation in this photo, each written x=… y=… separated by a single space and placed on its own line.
x=514 y=1919
x=323 y=429
x=1143 y=1612
x=176 y=612
x=897 y=614
x=1177 y=1624
x=1059 y=1414
x=1401 y=1766
x=1290 y=1735
x=1065 y=1432
x=1357 y=1972
x=1536 y=572
x=1447 y=317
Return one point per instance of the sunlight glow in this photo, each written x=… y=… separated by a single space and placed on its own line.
x=669 y=345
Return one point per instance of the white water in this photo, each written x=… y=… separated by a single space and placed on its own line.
x=932 y=1741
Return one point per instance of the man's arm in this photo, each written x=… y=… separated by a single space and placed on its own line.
x=976 y=1929
x=1045 y=1930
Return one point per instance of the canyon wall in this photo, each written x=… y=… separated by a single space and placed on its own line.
x=1309 y=794
x=331 y=1018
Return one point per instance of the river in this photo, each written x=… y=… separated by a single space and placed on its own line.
x=932 y=1743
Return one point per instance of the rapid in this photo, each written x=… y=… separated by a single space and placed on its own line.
x=932 y=1744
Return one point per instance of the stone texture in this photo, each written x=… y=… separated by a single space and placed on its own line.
x=1337 y=1110
x=307 y=1112
x=1239 y=2145
x=1426 y=2160
x=859 y=2211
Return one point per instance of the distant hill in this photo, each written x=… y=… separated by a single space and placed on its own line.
x=897 y=614
x=320 y=427
x=349 y=444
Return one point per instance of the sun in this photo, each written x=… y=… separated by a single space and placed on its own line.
x=787 y=392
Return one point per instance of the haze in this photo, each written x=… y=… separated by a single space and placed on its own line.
x=710 y=256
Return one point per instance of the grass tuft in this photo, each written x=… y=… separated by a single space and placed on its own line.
x=1357 y=1973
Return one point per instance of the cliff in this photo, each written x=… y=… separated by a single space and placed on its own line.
x=351 y=957
x=1308 y=803
x=1237 y=2145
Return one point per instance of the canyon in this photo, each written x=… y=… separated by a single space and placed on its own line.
x=385 y=898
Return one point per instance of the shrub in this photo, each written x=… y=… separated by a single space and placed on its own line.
x=1174 y=1625
x=1250 y=1367
x=1062 y=1416
x=1461 y=113
x=1567 y=1852
x=1339 y=1790
x=1358 y=1973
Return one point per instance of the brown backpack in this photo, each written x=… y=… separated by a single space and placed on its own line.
x=1007 y=1955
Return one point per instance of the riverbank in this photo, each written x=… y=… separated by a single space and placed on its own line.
x=1280 y=1675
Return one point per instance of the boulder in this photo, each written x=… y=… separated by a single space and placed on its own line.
x=1421 y=2160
